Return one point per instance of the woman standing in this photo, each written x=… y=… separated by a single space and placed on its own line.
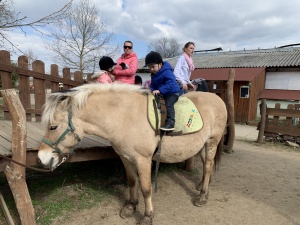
x=184 y=68
x=127 y=65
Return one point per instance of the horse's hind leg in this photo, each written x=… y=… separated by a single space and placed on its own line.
x=131 y=172
x=211 y=148
x=202 y=156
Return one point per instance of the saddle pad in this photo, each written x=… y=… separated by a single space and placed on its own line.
x=187 y=117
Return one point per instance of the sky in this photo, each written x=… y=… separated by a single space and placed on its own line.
x=230 y=24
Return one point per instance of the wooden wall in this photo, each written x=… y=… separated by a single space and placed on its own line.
x=246 y=108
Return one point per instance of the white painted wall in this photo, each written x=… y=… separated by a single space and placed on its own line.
x=283 y=80
x=144 y=76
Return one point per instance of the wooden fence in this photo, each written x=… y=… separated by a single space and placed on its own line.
x=277 y=121
x=34 y=84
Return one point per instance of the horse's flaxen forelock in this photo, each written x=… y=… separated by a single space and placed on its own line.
x=76 y=98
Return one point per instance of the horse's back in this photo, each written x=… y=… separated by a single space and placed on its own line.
x=207 y=101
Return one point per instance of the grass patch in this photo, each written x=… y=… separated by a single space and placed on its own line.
x=73 y=187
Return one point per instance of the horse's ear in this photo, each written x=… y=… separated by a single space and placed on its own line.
x=63 y=94
x=62 y=98
x=63 y=91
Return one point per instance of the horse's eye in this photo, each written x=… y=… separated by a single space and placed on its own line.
x=52 y=127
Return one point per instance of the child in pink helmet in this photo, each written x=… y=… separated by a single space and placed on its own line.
x=106 y=65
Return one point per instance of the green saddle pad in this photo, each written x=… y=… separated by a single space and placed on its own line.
x=187 y=117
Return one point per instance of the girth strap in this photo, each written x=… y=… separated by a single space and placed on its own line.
x=158 y=159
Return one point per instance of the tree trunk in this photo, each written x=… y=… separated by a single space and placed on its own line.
x=15 y=173
x=230 y=111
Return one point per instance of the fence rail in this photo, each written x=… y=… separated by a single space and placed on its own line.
x=278 y=121
x=34 y=84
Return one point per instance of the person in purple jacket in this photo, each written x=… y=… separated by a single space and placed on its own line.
x=163 y=82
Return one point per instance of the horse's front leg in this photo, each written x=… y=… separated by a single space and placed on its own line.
x=131 y=173
x=211 y=148
x=144 y=171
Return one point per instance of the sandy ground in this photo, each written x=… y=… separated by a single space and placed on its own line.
x=256 y=184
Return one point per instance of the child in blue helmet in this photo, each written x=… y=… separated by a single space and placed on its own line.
x=163 y=82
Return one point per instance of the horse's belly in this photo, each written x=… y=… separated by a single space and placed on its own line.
x=173 y=152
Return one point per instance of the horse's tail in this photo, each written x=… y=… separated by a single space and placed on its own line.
x=217 y=159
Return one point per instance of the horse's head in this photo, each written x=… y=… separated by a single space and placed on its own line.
x=60 y=138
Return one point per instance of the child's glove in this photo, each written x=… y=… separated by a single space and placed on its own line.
x=124 y=66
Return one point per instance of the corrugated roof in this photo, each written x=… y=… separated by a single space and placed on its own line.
x=241 y=74
x=280 y=94
x=277 y=57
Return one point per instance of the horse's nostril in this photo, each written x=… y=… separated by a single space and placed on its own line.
x=51 y=162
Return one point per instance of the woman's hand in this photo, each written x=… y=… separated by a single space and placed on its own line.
x=155 y=92
x=185 y=87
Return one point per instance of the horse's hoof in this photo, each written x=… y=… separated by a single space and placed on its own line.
x=199 y=186
x=146 y=221
x=127 y=211
x=200 y=201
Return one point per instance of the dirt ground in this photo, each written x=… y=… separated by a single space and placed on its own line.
x=256 y=184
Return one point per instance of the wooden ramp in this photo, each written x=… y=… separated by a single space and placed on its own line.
x=90 y=148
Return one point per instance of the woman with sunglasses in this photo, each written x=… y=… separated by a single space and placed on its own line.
x=127 y=65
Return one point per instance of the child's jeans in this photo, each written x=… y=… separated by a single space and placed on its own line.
x=170 y=101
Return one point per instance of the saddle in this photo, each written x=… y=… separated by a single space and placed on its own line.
x=187 y=117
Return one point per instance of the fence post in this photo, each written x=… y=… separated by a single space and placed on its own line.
x=67 y=76
x=15 y=173
x=54 y=73
x=230 y=111
x=78 y=76
x=263 y=112
x=6 y=77
x=39 y=87
x=24 y=86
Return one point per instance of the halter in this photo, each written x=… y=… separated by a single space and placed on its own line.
x=54 y=145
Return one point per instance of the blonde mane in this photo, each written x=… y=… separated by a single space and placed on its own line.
x=76 y=98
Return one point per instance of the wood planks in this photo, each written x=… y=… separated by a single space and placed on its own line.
x=35 y=133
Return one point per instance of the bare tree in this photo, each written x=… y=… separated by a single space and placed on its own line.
x=81 y=38
x=31 y=57
x=167 y=47
x=10 y=20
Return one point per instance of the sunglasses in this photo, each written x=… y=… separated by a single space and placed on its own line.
x=127 y=47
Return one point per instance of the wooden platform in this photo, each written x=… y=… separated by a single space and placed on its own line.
x=90 y=148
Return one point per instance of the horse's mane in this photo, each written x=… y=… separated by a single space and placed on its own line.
x=76 y=98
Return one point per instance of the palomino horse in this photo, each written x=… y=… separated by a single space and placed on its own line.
x=118 y=113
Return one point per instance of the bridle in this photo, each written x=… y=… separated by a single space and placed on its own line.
x=54 y=145
x=71 y=128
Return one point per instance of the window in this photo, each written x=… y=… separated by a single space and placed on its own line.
x=244 y=92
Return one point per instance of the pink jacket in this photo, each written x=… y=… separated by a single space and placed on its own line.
x=127 y=74
x=101 y=77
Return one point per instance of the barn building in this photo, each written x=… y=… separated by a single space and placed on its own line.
x=272 y=74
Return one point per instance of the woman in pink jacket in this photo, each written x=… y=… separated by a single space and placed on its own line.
x=127 y=65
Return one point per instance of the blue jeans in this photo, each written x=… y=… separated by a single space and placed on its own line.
x=170 y=101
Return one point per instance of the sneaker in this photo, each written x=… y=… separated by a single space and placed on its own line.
x=167 y=127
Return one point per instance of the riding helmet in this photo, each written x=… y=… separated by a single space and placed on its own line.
x=153 y=58
x=106 y=62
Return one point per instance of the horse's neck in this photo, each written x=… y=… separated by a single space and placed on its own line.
x=108 y=114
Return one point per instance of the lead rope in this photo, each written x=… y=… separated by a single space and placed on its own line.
x=26 y=166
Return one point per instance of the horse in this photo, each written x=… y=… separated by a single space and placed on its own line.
x=118 y=113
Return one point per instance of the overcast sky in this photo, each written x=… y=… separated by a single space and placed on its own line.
x=230 y=24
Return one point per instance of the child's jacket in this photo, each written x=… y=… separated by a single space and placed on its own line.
x=164 y=81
